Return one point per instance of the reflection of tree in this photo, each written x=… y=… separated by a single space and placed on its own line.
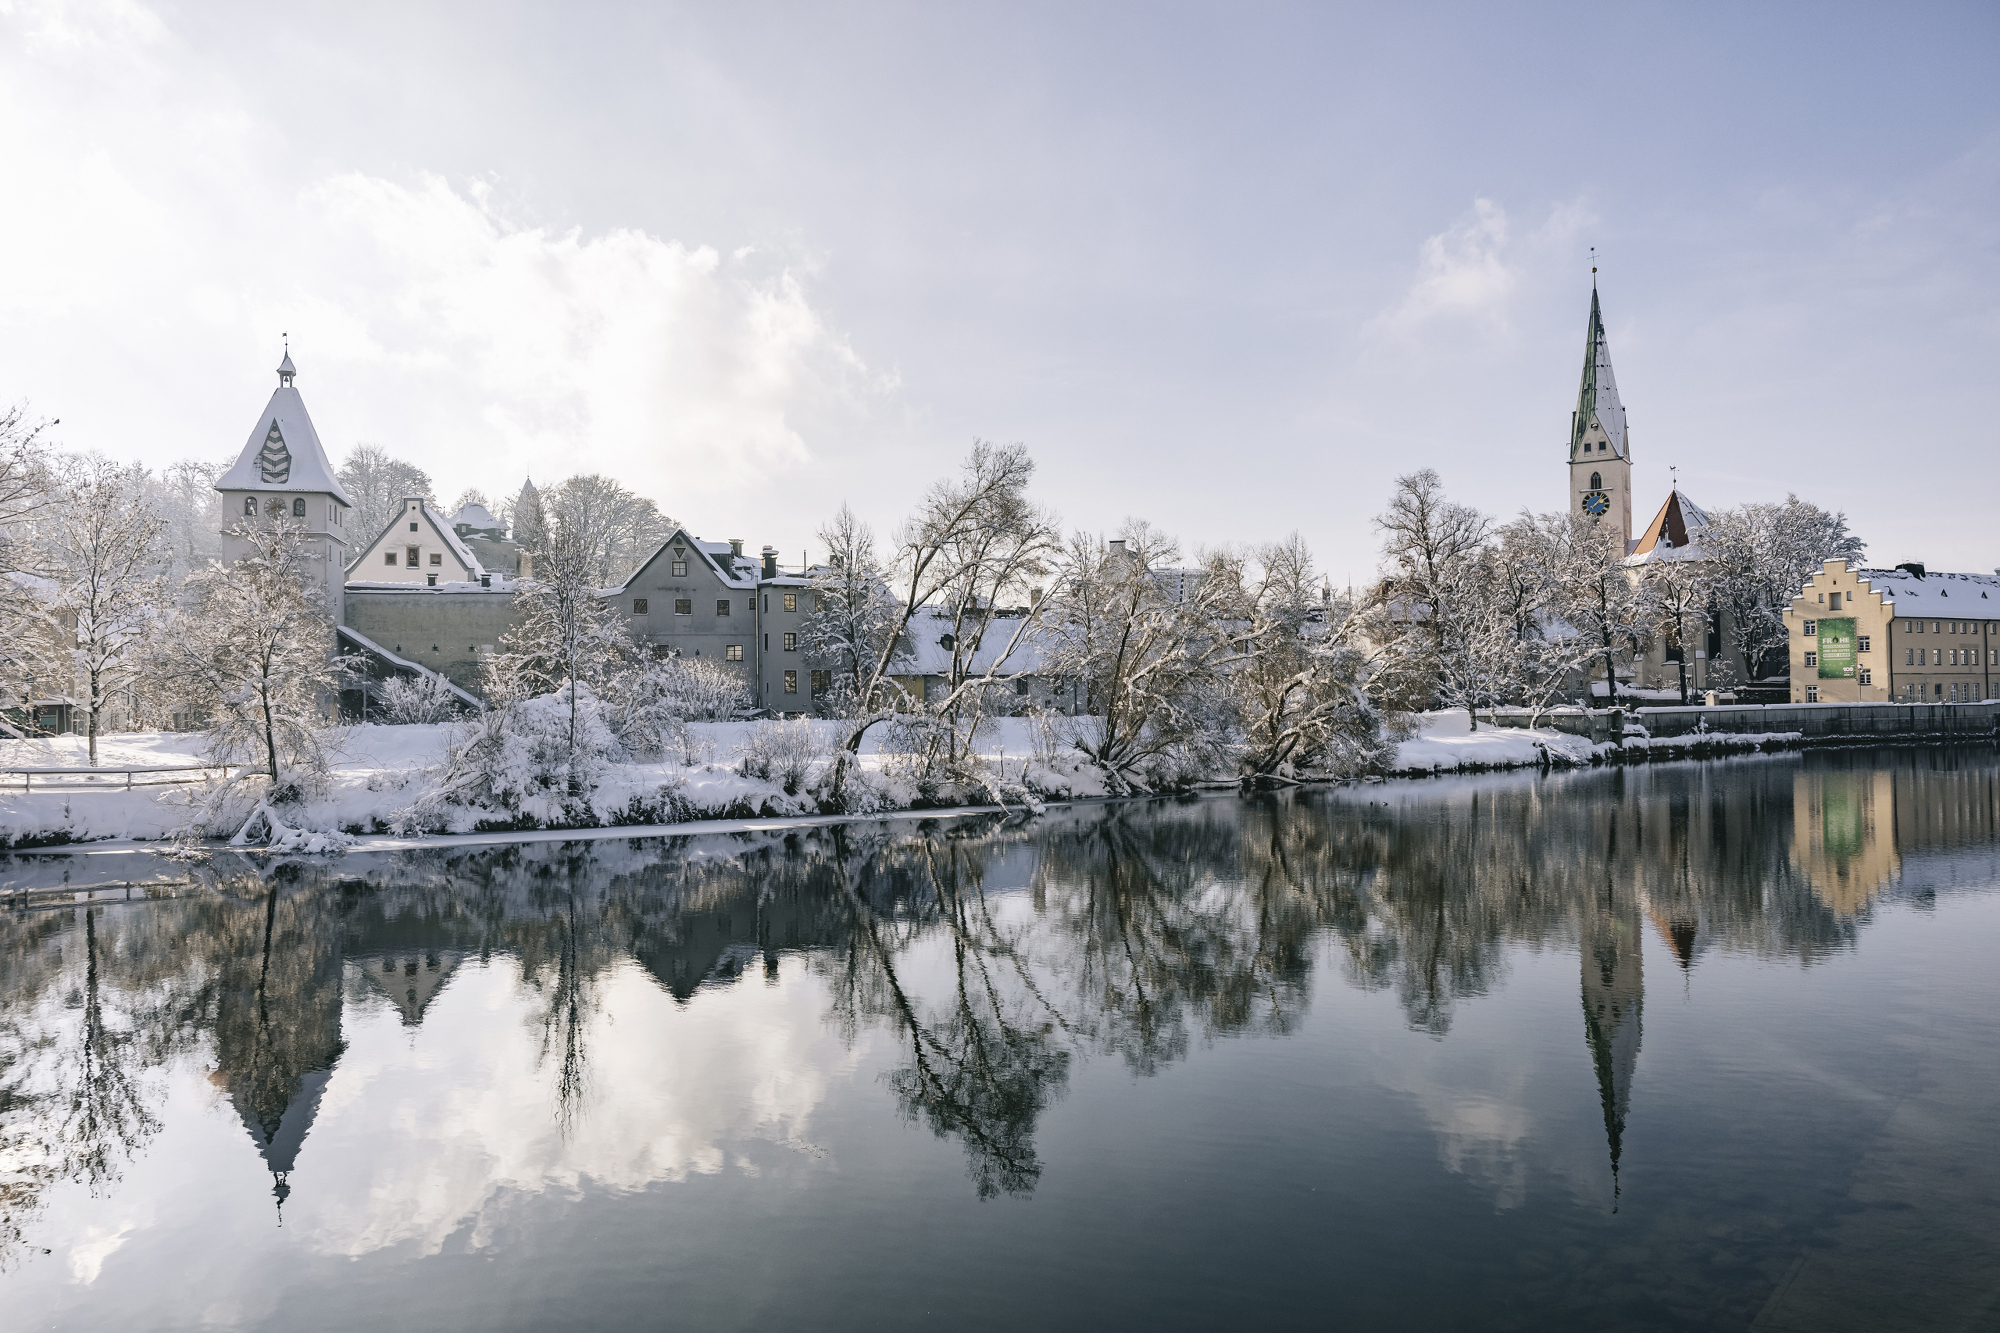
x=984 y=1064
x=106 y=1118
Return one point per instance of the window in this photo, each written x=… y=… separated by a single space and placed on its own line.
x=680 y=569
x=1834 y=604
x=767 y=603
x=388 y=557
x=791 y=601
x=250 y=506
x=1812 y=628
x=822 y=681
x=1934 y=627
x=1596 y=482
x=431 y=580
x=437 y=558
x=683 y=606
x=638 y=606
x=722 y=606
x=733 y=653
x=410 y=555
x=413 y=527
x=1909 y=657
x=1861 y=642
x=1812 y=658
x=1812 y=694
x=1937 y=657
x=1937 y=691
x=298 y=508
x=1865 y=676
x=791 y=682
x=791 y=643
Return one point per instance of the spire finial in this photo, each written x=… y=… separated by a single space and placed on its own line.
x=1593 y=268
x=285 y=371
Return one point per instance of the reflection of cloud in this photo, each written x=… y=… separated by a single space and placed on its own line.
x=87 y=1255
x=420 y=1140
x=1481 y=1137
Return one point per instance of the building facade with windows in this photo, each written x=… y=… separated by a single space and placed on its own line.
x=1902 y=635
x=417 y=546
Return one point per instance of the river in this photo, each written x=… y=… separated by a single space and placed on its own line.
x=1695 y=1045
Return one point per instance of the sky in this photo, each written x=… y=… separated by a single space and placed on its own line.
x=1231 y=269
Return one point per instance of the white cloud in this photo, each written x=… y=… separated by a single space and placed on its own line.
x=174 y=232
x=1470 y=271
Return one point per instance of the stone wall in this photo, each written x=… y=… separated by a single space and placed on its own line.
x=1887 y=721
x=447 y=630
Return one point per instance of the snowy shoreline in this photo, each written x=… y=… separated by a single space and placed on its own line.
x=382 y=767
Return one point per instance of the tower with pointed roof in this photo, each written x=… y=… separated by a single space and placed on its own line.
x=283 y=472
x=1600 y=453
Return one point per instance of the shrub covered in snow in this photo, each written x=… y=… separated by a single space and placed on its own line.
x=787 y=753
x=418 y=699
x=537 y=759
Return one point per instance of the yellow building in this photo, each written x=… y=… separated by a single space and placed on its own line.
x=1897 y=635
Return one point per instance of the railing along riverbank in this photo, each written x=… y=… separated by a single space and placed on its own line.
x=107 y=779
x=1811 y=723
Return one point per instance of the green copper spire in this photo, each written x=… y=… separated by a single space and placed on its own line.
x=1600 y=417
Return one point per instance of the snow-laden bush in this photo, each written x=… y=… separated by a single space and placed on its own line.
x=648 y=707
x=537 y=761
x=423 y=698
x=697 y=689
x=786 y=753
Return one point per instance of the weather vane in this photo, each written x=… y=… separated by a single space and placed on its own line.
x=1593 y=263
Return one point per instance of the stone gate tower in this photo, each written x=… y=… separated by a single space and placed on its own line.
x=1600 y=453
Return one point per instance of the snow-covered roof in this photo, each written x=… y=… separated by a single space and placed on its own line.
x=1597 y=399
x=283 y=452
x=366 y=644
x=925 y=651
x=1937 y=594
x=1674 y=534
x=475 y=516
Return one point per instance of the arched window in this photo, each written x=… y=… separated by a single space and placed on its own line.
x=298 y=509
x=250 y=506
x=1596 y=482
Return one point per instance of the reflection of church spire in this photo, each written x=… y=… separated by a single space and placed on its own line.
x=1614 y=992
x=278 y=1032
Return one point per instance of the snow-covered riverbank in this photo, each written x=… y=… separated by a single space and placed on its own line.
x=1446 y=742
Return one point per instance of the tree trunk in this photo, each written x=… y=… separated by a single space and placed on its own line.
x=270 y=732
x=96 y=679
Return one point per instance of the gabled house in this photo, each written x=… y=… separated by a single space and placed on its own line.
x=698 y=599
x=417 y=546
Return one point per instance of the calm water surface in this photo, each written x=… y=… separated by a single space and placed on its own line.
x=1694 y=1046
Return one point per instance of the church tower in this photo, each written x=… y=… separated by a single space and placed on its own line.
x=1600 y=455
x=283 y=472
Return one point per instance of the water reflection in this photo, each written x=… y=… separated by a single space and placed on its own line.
x=992 y=957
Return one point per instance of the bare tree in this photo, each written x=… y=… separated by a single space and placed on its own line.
x=617 y=530
x=1144 y=648
x=379 y=484
x=974 y=543
x=1762 y=554
x=103 y=545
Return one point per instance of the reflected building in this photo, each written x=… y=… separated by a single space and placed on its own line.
x=1614 y=1000
x=1844 y=835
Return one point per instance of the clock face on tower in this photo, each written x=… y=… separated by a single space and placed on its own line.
x=1596 y=504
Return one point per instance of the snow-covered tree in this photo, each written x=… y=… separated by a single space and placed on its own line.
x=853 y=613
x=1761 y=555
x=1144 y=649
x=974 y=545
x=563 y=632
x=103 y=548
x=379 y=484
x=184 y=495
x=1422 y=610
x=1598 y=595
x=1299 y=689
x=25 y=484
x=252 y=651
x=1681 y=598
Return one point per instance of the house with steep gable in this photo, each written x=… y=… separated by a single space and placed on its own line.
x=417 y=546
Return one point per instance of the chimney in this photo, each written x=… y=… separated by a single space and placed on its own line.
x=1118 y=546
x=485 y=580
x=1915 y=567
x=770 y=562
x=736 y=547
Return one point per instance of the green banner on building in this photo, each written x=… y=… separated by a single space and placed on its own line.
x=1836 y=648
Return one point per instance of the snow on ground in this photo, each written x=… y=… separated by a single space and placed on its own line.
x=1446 y=741
x=379 y=771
